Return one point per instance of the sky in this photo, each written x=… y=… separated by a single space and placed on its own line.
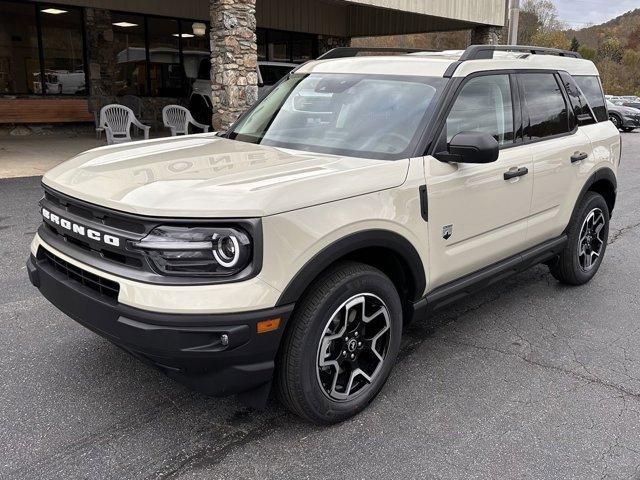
x=581 y=13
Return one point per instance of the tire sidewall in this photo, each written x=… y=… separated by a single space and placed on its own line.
x=592 y=200
x=616 y=120
x=372 y=282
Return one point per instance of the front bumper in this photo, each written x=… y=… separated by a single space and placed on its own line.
x=190 y=348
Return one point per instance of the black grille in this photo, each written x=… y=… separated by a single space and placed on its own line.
x=93 y=282
x=96 y=214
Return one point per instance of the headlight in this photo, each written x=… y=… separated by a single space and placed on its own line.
x=197 y=251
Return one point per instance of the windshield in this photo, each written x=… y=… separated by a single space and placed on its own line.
x=372 y=116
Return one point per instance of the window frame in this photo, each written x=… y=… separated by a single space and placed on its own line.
x=572 y=124
x=440 y=140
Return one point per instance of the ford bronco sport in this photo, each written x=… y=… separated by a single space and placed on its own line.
x=361 y=193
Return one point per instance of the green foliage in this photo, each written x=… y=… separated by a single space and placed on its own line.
x=588 y=53
x=552 y=39
x=611 y=49
x=575 y=44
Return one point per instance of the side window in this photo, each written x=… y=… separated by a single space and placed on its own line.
x=590 y=86
x=544 y=102
x=483 y=105
x=579 y=104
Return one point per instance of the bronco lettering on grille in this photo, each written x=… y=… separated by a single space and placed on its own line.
x=80 y=230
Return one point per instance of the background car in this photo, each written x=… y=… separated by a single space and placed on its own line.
x=625 y=118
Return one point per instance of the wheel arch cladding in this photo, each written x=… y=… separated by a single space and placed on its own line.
x=602 y=181
x=390 y=252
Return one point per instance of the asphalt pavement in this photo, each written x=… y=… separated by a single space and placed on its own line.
x=528 y=379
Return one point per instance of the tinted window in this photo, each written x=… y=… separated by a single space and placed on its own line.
x=548 y=115
x=483 y=105
x=131 y=58
x=590 y=86
x=579 y=104
x=63 y=54
x=19 y=58
x=166 y=72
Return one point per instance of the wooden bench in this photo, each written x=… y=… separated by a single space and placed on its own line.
x=44 y=110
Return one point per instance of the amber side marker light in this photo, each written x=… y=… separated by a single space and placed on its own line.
x=268 y=325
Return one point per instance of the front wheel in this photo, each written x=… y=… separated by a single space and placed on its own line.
x=616 y=120
x=587 y=241
x=341 y=345
x=628 y=129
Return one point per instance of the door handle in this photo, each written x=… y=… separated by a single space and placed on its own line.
x=515 y=172
x=579 y=156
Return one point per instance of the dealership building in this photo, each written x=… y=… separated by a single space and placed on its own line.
x=60 y=59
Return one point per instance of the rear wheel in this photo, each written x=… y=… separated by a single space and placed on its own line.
x=587 y=242
x=341 y=345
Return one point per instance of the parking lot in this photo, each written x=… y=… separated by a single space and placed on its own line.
x=529 y=379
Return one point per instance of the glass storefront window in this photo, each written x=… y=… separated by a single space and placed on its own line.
x=63 y=51
x=131 y=56
x=262 y=44
x=153 y=56
x=19 y=57
x=301 y=47
x=195 y=48
x=279 y=46
x=166 y=71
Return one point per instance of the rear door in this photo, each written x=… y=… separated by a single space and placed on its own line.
x=561 y=150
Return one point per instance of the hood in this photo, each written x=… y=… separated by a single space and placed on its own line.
x=208 y=176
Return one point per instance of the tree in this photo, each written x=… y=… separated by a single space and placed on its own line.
x=553 y=39
x=588 y=53
x=611 y=49
x=633 y=41
x=528 y=26
x=575 y=45
x=546 y=13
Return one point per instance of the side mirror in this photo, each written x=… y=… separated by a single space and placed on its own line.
x=471 y=147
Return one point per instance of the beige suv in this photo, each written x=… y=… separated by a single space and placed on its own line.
x=361 y=193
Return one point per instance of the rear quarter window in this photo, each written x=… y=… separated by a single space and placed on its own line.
x=592 y=89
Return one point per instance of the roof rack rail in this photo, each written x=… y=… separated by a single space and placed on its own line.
x=485 y=52
x=345 y=52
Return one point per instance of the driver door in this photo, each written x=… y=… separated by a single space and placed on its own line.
x=477 y=216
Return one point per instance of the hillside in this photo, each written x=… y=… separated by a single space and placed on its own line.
x=625 y=28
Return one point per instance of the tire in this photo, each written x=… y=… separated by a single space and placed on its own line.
x=616 y=120
x=628 y=129
x=200 y=110
x=572 y=266
x=335 y=307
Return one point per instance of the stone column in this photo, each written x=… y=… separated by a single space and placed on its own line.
x=328 y=42
x=100 y=55
x=234 y=59
x=484 y=35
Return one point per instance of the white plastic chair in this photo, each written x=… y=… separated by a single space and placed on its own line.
x=178 y=118
x=116 y=121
